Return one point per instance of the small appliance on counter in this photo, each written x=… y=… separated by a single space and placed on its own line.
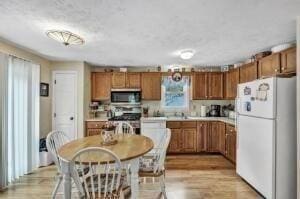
x=203 y=111
x=215 y=111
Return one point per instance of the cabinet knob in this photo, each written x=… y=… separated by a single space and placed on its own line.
x=276 y=70
x=282 y=68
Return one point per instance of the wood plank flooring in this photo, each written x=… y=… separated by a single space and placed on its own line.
x=187 y=177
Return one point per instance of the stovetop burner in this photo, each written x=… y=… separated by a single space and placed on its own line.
x=126 y=117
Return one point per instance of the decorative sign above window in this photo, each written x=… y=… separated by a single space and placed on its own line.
x=176 y=76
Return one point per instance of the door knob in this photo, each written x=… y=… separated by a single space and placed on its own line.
x=71 y=118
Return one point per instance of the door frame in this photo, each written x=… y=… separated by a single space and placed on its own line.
x=54 y=73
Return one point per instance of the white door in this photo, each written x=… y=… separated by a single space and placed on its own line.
x=256 y=153
x=64 y=102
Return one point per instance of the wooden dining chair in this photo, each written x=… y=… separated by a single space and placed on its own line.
x=124 y=128
x=105 y=177
x=152 y=164
x=54 y=141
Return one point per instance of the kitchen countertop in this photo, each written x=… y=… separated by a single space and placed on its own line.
x=221 y=119
x=97 y=119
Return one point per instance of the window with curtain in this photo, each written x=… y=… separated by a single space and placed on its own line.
x=19 y=118
x=175 y=95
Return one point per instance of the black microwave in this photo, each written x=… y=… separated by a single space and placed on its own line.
x=127 y=96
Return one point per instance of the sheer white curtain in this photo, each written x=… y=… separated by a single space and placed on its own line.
x=21 y=120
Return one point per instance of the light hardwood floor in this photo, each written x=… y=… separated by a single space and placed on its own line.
x=187 y=177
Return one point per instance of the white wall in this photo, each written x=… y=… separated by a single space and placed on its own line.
x=298 y=104
x=45 y=102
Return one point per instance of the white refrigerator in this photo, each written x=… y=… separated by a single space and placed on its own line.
x=266 y=136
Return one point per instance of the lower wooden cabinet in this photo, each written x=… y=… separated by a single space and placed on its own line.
x=175 y=142
x=183 y=137
x=230 y=143
x=201 y=136
x=93 y=128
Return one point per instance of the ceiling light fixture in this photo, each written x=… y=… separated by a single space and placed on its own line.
x=187 y=54
x=65 y=37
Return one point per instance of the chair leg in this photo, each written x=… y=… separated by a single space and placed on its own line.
x=163 y=186
x=56 y=186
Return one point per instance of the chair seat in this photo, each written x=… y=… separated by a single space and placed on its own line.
x=150 y=173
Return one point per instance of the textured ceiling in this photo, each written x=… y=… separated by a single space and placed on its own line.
x=150 y=32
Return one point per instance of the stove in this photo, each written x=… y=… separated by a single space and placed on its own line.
x=132 y=118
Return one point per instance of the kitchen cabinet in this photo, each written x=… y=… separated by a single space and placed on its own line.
x=175 y=141
x=118 y=80
x=151 y=86
x=189 y=140
x=231 y=136
x=126 y=80
x=269 y=66
x=222 y=136
x=183 y=137
x=101 y=86
x=202 y=136
x=215 y=85
x=207 y=85
x=199 y=86
x=214 y=137
x=232 y=78
x=248 y=72
x=288 y=60
x=133 y=80
x=94 y=127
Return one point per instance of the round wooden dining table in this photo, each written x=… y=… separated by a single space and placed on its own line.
x=129 y=149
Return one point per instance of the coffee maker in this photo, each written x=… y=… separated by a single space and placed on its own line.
x=215 y=111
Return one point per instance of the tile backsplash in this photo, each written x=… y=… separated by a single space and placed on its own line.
x=194 y=106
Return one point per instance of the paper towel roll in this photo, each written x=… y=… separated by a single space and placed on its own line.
x=203 y=110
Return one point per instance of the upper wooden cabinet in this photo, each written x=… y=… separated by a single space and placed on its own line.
x=101 y=86
x=118 y=80
x=215 y=85
x=231 y=81
x=269 y=66
x=133 y=80
x=248 y=72
x=199 y=85
x=207 y=85
x=151 y=86
x=126 y=80
x=288 y=60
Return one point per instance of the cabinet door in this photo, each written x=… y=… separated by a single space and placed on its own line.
x=91 y=132
x=101 y=85
x=215 y=85
x=151 y=86
x=175 y=145
x=231 y=143
x=199 y=86
x=214 y=137
x=248 y=72
x=231 y=82
x=288 y=61
x=222 y=138
x=189 y=140
x=269 y=66
x=202 y=136
x=133 y=80
x=119 y=80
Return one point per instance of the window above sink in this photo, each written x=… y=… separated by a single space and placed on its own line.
x=175 y=95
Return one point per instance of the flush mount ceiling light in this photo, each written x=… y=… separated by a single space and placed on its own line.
x=187 y=54
x=65 y=37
